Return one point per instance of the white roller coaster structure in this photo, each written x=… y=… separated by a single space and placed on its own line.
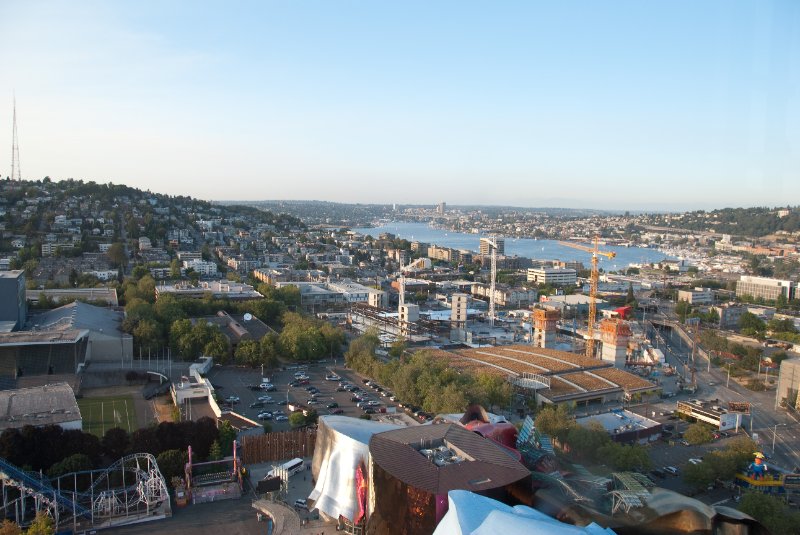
x=130 y=490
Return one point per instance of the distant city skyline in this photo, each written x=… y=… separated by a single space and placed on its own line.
x=621 y=105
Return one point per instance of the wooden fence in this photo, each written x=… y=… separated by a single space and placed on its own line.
x=278 y=446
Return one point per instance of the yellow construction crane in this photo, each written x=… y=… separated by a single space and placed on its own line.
x=592 y=286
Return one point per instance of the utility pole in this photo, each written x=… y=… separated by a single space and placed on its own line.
x=493 y=246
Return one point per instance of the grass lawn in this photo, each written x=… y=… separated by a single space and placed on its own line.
x=101 y=414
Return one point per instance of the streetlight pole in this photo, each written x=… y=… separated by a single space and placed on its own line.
x=774 y=435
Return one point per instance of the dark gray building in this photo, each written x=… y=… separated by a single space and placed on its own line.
x=13 y=304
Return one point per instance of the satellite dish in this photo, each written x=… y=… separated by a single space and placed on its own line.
x=248 y=316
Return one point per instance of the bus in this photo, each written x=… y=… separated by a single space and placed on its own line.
x=291 y=467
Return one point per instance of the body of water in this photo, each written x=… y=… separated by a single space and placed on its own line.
x=527 y=247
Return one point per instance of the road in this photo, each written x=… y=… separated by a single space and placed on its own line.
x=765 y=421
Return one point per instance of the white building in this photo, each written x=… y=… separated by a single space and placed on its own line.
x=206 y=269
x=53 y=404
x=552 y=276
x=697 y=296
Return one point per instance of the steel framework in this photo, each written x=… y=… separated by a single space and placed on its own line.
x=130 y=490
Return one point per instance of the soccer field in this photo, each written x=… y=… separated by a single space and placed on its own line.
x=101 y=414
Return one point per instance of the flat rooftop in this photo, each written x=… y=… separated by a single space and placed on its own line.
x=619 y=421
x=38 y=406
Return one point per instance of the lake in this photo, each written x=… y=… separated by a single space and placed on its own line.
x=527 y=247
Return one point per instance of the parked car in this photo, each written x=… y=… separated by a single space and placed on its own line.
x=695 y=461
x=300 y=504
x=341 y=389
x=332 y=405
x=685 y=442
x=336 y=411
x=332 y=377
x=264 y=415
x=671 y=470
x=368 y=410
x=658 y=473
x=254 y=387
x=281 y=418
x=282 y=402
x=265 y=399
x=232 y=399
x=257 y=405
x=312 y=401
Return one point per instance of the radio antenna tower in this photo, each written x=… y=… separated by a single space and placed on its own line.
x=15 y=172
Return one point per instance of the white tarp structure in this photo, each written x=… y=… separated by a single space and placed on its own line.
x=473 y=514
x=342 y=444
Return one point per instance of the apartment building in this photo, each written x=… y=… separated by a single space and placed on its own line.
x=765 y=288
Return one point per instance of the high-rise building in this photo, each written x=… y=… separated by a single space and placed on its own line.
x=13 y=304
x=441 y=207
x=486 y=246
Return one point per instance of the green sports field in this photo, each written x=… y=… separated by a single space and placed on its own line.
x=101 y=414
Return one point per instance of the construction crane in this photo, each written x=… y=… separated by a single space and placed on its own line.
x=592 y=286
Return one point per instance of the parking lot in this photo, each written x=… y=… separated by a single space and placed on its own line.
x=235 y=381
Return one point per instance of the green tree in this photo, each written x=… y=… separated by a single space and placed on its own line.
x=227 y=434
x=175 y=269
x=752 y=323
x=115 y=442
x=700 y=476
x=630 y=298
x=555 y=421
x=77 y=462
x=147 y=335
x=296 y=419
x=116 y=255
x=585 y=443
x=10 y=528
x=683 y=309
x=698 y=434
x=171 y=463
x=42 y=525
x=215 y=453
x=494 y=391
x=398 y=348
x=248 y=353
x=771 y=512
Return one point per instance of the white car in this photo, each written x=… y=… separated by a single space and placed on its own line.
x=695 y=461
x=332 y=377
x=281 y=418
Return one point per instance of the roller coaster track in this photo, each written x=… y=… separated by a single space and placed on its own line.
x=130 y=487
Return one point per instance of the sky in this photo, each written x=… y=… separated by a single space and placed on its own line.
x=622 y=104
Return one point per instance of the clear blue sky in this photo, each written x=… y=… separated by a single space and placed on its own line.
x=606 y=104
